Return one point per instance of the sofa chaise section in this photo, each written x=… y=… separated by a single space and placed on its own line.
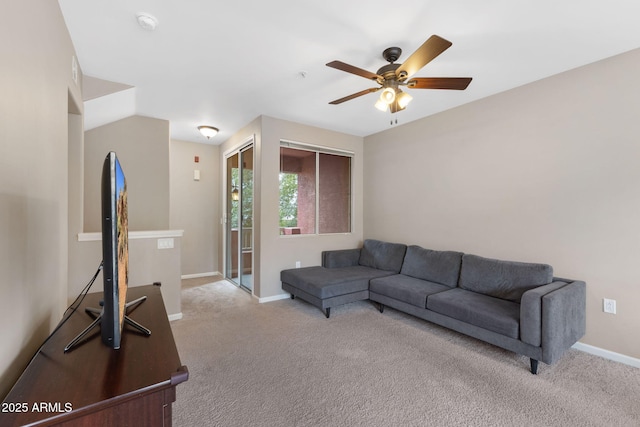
x=344 y=275
x=329 y=287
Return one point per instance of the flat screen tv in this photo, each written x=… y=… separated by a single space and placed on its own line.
x=115 y=250
x=112 y=317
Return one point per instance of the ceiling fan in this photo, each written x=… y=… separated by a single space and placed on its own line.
x=392 y=76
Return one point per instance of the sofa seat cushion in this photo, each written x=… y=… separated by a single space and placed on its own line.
x=330 y=282
x=435 y=266
x=486 y=312
x=502 y=279
x=382 y=255
x=406 y=289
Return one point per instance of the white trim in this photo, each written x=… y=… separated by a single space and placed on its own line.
x=198 y=275
x=315 y=147
x=89 y=237
x=244 y=144
x=273 y=298
x=150 y=234
x=607 y=354
x=176 y=316
x=155 y=234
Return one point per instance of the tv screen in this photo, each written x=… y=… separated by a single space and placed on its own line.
x=115 y=249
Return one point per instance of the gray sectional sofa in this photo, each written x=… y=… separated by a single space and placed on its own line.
x=518 y=306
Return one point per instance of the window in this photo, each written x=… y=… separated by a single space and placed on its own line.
x=315 y=190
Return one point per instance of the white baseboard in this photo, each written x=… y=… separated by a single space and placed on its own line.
x=175 y=316
x=273 y=298
x=198 y=275
x=606 y=354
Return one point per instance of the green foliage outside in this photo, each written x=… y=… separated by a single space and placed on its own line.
x=288 y=199
x=247 y=198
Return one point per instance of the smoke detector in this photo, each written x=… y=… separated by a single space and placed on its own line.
x=147 y=21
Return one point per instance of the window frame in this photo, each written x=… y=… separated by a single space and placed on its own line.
x=319 y=149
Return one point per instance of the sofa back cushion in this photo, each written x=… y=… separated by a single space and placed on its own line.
x=441 y=267
x=502 y=279
x=382 y=255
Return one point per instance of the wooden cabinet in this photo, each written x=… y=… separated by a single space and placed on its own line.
x=94 y=385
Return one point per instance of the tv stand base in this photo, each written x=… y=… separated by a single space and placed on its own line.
x=97 y=313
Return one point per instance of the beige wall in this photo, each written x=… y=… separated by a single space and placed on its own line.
x=275 y=252
x=195 y=205
x=36 y=85
x=548 y=172
x=79 y=270
x=142 y=146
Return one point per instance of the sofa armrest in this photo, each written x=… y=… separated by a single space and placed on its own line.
x=564 y=318
x=553 y=316
x=340 y=258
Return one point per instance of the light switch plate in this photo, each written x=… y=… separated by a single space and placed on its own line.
x=165 y=243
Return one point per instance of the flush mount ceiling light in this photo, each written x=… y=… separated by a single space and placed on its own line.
x=147 y=21
x=208 y=131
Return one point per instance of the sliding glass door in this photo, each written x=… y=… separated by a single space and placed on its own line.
x=239 y=218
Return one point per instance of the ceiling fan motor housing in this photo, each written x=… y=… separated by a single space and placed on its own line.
x=388 y=70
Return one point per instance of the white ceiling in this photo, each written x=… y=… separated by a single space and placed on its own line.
x=223 y=63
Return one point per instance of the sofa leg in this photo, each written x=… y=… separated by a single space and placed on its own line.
x=327 y=312
x=381 y=308
x=293 y=296
x=534 y=366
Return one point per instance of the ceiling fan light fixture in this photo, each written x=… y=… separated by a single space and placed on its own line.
x=388 y=95
x=208 y=131
x=381 y=105
x=403 y=99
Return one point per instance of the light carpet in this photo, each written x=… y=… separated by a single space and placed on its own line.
x=284 y=364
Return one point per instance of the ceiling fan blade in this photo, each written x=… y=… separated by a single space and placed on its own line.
x=456 y=83
x=355 y=95
x=339 y=65
x=430 y=49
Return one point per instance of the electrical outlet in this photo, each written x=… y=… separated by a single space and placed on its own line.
x=609 y=306
x=297 y=264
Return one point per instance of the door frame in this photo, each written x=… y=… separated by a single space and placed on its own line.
x=250 y=141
